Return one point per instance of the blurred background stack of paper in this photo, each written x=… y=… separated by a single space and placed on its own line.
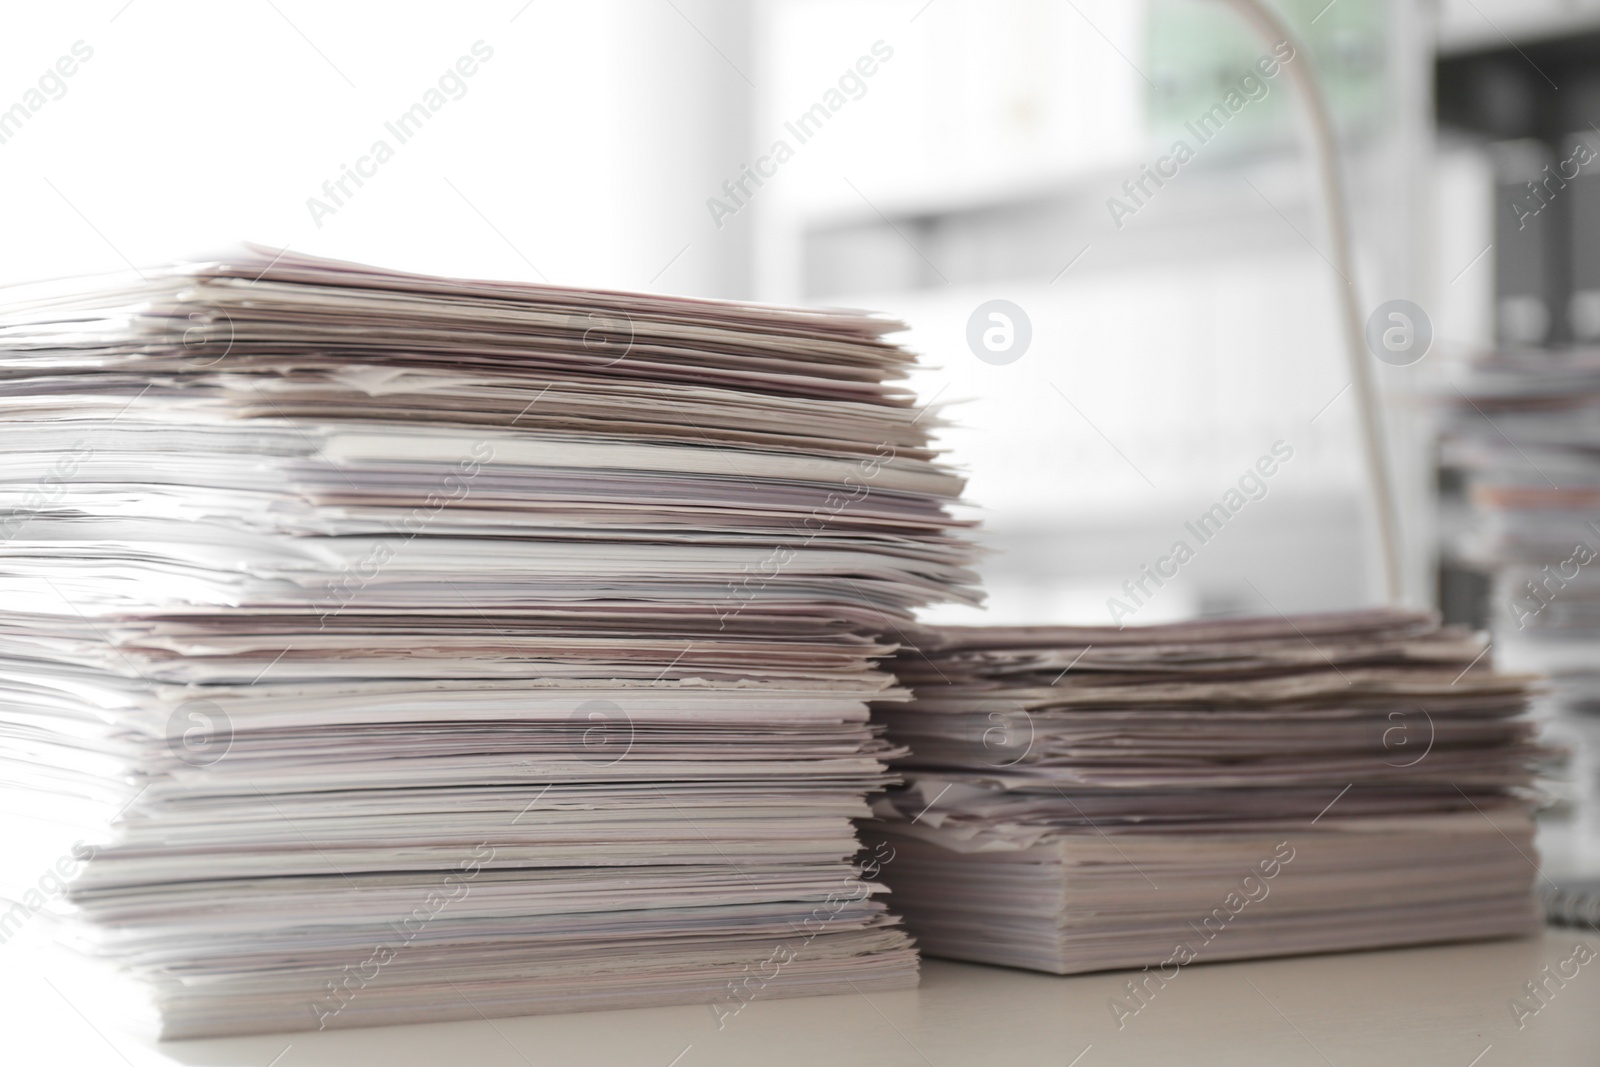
x=399 y=648
x=1522 y=435
x=1090 y=798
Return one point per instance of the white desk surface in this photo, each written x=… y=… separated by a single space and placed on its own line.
x=1445 y=1005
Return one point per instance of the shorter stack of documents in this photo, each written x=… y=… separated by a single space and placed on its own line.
x=1083 y=799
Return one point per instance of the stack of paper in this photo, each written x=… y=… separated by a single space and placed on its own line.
x=1526 y=430
x=401 y=648
x=1523 y=429
x=1090 y=798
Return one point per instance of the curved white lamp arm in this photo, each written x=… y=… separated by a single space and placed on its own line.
x=1266 y=22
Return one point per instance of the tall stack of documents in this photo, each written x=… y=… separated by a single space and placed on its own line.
x=1092 y=798
x=380 y=647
